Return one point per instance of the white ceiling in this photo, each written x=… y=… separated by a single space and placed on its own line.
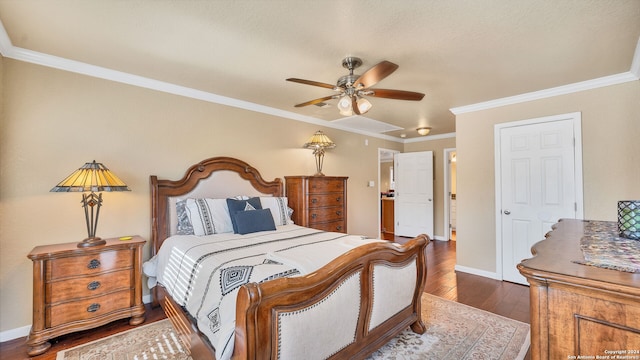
x=459 y=52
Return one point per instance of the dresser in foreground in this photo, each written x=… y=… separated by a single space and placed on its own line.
x=81 y=288
x=581 y=311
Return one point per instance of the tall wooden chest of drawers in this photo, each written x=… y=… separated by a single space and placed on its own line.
x=81 y=288
x=318 y=202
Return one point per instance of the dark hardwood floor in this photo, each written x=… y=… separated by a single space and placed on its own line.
x=499 y=297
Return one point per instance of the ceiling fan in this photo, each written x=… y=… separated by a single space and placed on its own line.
x=352 y=88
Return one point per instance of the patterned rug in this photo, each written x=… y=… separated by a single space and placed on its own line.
x=454 y=331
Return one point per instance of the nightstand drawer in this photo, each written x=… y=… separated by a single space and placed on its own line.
x=89 y=264
x=334 y=226
x=81 y=287
x=321 y=200
x=325 y=214
x=88 y=308
x=324 y=185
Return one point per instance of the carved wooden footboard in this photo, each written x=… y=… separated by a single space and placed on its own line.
x=266 y=327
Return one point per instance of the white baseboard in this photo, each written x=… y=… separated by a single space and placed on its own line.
x=14 y=333
x=473 y=271
x=23 y=331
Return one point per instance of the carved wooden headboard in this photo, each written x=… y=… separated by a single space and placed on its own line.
x=217 y=177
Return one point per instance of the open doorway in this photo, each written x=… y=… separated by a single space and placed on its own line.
x=386 y=188
x=450 y=193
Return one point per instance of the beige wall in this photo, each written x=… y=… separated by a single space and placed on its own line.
x=611 y=161
x=55 y=121
x=437 y=146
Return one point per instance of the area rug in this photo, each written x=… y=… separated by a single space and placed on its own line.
x=454 y=331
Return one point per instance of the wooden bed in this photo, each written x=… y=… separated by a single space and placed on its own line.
x=259 y=307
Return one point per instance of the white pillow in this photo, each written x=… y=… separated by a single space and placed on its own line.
x=279 y=209
x=209 y=216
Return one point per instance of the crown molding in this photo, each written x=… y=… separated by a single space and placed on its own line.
x=430 y=138
x=632 y=75
x=5 y=42
x=635 y=64
x=547 y=93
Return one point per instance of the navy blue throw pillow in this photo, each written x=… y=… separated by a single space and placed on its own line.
x=254 y=221
x=241 y=205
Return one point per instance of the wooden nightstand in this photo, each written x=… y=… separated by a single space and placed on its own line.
x=318 y=202
x=81 y=288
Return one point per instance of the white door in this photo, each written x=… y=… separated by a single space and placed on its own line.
x=538 y=186
x=414 y=193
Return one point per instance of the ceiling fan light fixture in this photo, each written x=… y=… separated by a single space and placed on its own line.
x=353 y=87
x=423 y=131
x=363 y=105
x=344 y=105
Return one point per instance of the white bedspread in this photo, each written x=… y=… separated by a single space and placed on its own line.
x=203 y=274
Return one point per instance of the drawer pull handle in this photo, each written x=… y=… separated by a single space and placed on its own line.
x=314 y=200
x=93 y=285
x=339 y=227
x=314 y=216
x=93 y=307
x=338 y=212
x=93 y=264
x=338 y=199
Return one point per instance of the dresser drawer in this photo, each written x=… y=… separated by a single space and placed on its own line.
x=88 y=308
x=322 y=200
x=334 y=226
x=88 y=286
x=325 y=185
x=325 y=214
x=89 y=264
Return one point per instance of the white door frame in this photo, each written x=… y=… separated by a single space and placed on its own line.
x=447 y=189
x=576 y=118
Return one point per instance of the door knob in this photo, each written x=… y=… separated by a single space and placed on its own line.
x=507 y=212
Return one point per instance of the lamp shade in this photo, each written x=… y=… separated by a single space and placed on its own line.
x=363 y=105
x=344 y=105
x=91 y=177
x=319 y=141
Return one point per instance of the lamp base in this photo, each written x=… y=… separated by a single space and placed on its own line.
x=319 y=173
x=89 y=242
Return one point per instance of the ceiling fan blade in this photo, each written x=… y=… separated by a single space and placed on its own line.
x=375 y=74
x=395 y=94
x=311 y=82
x=315 y=101
x=354 y=105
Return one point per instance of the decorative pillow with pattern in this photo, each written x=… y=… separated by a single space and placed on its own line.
x=279 y=209
x=184 y=224
x=209 y=216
